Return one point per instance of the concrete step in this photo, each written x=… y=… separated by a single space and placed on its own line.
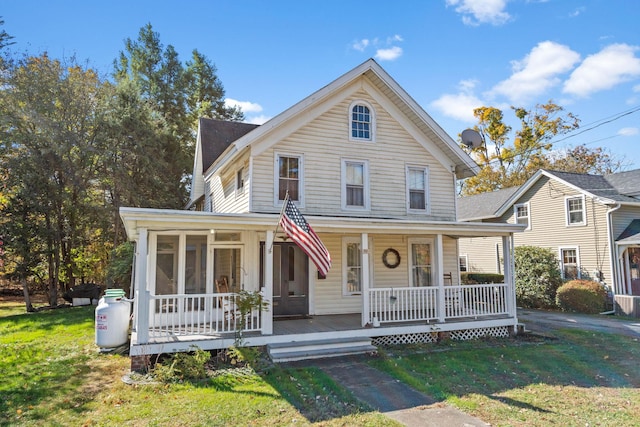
x=316 y=349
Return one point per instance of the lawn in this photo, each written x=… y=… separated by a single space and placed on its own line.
x=52 y=374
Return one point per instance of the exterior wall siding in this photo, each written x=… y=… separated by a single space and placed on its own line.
x=222 y=189
x=324 y=142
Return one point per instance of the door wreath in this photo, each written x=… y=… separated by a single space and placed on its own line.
x=391 y=258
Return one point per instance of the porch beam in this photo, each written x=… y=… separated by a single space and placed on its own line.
x=267 y=290
x=364 y=244
x=439 y=267
x=142 y=295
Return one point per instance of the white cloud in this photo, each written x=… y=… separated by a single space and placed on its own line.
x=257 y=120
x=611 y=66
x=459 y=106
x=386 y=49
x=360 y=45
x=476 y=12
x=628 y=131
x=246 y=106
x=537 y=72
x=390 y=54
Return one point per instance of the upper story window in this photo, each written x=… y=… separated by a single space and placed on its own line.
x=355 y=184
x=361 y=121
x=418 y=189
x=240 y=181
x=575 y=210
x=521 y=213
x=288 y=177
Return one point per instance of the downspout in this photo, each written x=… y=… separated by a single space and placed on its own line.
x=613 y=265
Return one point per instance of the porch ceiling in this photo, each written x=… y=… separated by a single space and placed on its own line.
x=167 y=219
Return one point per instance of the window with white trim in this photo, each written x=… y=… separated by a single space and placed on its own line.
x=417 y=189
x=569 y=263
x=361 y=121
x=521 y=214
x=288 y=173
x=352 y=266
x=355 y=184
x=463 y=263
x=421 y=262
x=575 y=210
x=240 y=181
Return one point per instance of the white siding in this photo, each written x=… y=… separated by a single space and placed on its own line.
x=323 y=142
x=225 y=197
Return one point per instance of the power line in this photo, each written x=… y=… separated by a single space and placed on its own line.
x=599 y=123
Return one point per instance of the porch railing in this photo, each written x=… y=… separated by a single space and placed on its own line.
x=198 y=314
x=388 y=305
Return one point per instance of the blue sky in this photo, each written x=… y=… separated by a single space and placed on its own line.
x=449 y=55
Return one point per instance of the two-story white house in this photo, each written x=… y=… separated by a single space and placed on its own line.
x=374 y=176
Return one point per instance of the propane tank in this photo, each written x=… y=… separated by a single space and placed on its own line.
x=112 y=319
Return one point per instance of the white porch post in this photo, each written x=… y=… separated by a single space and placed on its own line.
x=509 y=280
x=439 y=267
x=364 y=244
x=142 y=297
x=267 y=290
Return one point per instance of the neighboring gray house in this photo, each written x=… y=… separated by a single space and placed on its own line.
x=592 y=222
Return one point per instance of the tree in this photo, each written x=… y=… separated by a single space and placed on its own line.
x=537 y=277
x=49 y=128
x=179 y=94
x=5 y=38
x=503 y=165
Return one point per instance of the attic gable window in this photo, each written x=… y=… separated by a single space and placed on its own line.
x=361 y=121
x=521 y=213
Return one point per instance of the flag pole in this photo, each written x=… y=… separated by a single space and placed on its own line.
x=284 y=206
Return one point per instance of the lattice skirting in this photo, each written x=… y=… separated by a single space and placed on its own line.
x=431 y=337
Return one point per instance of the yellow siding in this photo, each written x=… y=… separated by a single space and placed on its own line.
x=623 y=217
x=324 y=141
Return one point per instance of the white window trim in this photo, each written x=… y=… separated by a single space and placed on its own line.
x=372 y=114
x=584 y=211
x=343 y=186
x=466 y=262
x=427 y=208
x=240 y=182
x=276 y=178
x=410 y=243
x=561 y=258
x=515 y=213
x=346 y=240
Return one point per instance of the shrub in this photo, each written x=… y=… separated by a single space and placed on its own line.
x=581 y=296
x=537 y=277
x=479 y=278
x=183 y=366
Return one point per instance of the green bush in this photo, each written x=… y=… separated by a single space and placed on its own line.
x=581 y=296
x=479 y=278
x=183 y=366
x=537 y=277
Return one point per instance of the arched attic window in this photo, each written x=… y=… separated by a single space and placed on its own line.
x=361 y=121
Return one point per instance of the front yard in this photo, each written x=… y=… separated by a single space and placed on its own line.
x=52 y=374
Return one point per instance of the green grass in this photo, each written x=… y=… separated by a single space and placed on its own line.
x=52 y=374
x=577 y=379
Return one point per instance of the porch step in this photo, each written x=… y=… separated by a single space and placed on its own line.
x=317 y=349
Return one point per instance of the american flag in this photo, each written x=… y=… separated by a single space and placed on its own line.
x=297 y=228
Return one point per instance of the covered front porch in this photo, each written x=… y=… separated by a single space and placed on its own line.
x=390 y=278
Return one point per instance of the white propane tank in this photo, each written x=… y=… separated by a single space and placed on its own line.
x=112 y=319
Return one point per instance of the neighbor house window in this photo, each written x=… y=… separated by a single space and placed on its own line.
x=575 y=210
x=355 y=184
x=417 y=188
x=288 y=177
x=352 y=270
x=361 y=121
x=521 y=212
x=463 y=262
x=421 y=259
x=569 y=265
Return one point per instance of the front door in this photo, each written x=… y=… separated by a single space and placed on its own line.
x=290 y=280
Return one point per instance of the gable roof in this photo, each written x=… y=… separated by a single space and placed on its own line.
x=607 y=189
x=631 y=234
x=273 y=130
x=217 y=135
x=481 y=206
